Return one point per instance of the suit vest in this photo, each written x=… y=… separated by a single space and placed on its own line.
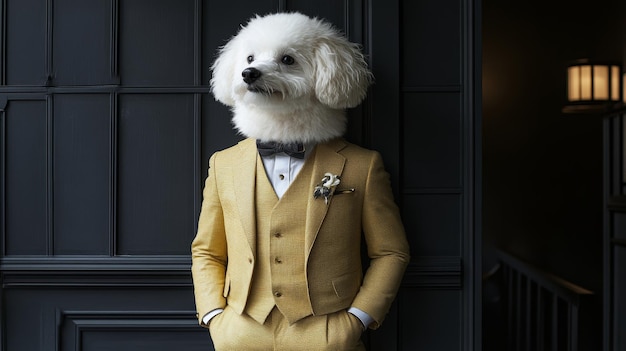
x=279 y=277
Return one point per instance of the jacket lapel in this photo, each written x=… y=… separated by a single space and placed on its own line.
x=244 y=180
x=327 y=160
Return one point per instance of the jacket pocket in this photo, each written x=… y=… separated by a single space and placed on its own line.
x=347 y=285
x=226 y=286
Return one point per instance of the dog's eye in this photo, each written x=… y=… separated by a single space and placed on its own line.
x=250 y=59
x=288 y=60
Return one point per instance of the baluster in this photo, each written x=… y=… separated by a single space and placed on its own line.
x=510 y=296
x=518 y=313
x=540 y=320
x=573 y=327
x=555 y=323
x=529 y=308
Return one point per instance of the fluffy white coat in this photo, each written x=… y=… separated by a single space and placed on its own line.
x=289 y=78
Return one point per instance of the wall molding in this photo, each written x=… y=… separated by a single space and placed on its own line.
x=436 y=272
x=124 y=320
x=73 y=326
x=96 y=272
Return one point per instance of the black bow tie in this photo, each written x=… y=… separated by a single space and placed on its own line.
x=271 y=147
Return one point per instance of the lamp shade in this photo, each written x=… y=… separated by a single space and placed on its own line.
x=593 y=86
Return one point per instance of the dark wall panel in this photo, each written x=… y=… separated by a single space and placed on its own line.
x=67 y=319
x=156 y=174
x=440 y=330
x=159 y=48
x=432 y=139
x=217 y=130
x=82 y=174
x=25 y=48
x=105 y=165
x=165 y=338
x=431 y=42
x=437 y=131
x=331 y=10
x=105 y=330
x=433 y=224
x=346 y=15
x=26 y=178
x=82 y=52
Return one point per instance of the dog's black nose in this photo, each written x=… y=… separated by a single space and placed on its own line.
x=250 y=74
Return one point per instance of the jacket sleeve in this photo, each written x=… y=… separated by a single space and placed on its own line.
x=208 y=250
x=387 y=246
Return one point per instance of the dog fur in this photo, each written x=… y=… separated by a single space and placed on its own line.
x=306 y=75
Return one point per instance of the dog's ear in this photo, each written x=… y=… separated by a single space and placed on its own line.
x=341 y=73
x=223 y=73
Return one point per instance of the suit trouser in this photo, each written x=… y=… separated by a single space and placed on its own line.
x=338 y=331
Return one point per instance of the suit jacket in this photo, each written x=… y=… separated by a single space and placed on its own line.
x=224 y=249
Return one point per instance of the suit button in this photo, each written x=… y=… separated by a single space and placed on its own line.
x=277 y=235
x=249 y=260
x=278 y=294
x=278 y=260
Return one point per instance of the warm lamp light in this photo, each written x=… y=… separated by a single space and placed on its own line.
x=593 y=86
x=624 y=88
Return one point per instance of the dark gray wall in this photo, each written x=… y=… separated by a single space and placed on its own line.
x=106 y=127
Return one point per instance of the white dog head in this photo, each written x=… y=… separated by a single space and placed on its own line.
x=289 y=78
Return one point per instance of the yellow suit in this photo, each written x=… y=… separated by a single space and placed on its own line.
x=224 y=250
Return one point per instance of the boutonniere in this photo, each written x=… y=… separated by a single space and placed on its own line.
x=326 y=187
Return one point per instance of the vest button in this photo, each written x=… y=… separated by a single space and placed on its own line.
x=249 y=260
x=278 y=294
x=277 y=235
x=278 y=260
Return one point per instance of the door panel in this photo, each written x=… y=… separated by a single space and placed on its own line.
x=106 y=127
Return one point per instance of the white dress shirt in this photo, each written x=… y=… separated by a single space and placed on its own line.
x=281 y=170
